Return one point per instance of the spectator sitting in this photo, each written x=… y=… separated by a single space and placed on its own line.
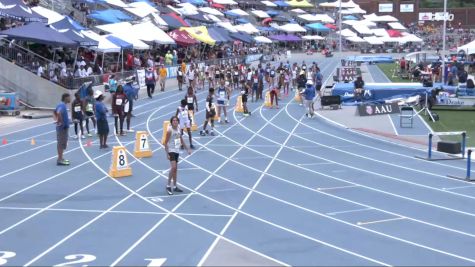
x=470 y=84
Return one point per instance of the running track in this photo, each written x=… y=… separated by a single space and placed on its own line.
x=275 y=188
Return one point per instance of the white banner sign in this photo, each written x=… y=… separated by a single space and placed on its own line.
x=406 y=8
x=386 y=8
x=438 y=16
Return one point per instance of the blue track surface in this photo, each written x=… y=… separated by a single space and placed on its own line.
x=276 y=185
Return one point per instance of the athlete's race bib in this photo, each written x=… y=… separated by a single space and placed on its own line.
x=243 y=92
x=184 y=115
x=89 y=108
x=118 y=102
x=190 y=100
x=222 y=94
x=180 y=73
x=77 y=108
x=177 y=143
x=236 y=73
x=255 y=80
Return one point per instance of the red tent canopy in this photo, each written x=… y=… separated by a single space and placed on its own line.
x=266 y=21
x=182 y=38
x=330 y=26
x=394 y=33
x=180 y=19
x=217 y=6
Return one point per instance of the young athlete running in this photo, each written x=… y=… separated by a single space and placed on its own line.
x=210 y=113
x=173 y=142
x=77 y=108
x=185 y=120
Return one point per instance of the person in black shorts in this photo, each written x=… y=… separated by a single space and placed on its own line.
x=77 y=109
x=191 y=100
x=210 y=113
x=244 y=93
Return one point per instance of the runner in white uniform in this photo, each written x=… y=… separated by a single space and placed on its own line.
x=185 y=120
x=173 y=142
x=223 y=97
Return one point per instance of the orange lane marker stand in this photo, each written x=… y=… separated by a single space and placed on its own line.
x=4 y=141
x=165 y=129
x=194 y=126
x=142 y=147
x=267 y=102
x=120 y=165
x=297 y=97
x=33 y=142
x=239 y=107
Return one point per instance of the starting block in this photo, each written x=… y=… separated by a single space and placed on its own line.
x=120 y=166
x=165 y=129
x=239 y=107
x=142 y=147
x=194 y=126
x=267 y=102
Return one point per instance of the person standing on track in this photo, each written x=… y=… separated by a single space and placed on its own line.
x=210 y=113
x=131 y=94
x=244 y=94
x=62 y=128
x=118 y=104
x=309 y=95
x=90 y=107
x=173 y=142
x=191 y=100
x=185 y=120
x=150 y=80
x=77 y=114
x=163 y=73
x=101 y=116
x=179 y=78
x=223 y=98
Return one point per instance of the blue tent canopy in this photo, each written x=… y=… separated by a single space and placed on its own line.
x=67 y=23
x=151 y=3
x=273 y=12
x=79 y=38
x=243 y=37
x=281 y=3
x=196 y=2
x=242 y=21
x=318 y=27
x=18 y=11
x=119 y=42
x=266 y=29
x=350 y=17
x=39 y=33
x=109 y=16
x=219 y=34
x=172 y=21
x=232 y=14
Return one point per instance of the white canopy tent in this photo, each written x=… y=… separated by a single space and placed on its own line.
x=396 y=26
x=239 y=12
x=409 y=37
x=148 y=32
x=373 y=40
x=247 y=28
x=260 y=14
x=380 y=32
x=104 y=45
x=384 y=18
x=312 y=37
x=363 y=29
x=269 y=3
x=136 y=43
x=289 y=27
x=364 y=22
x=225 y=2
x=262 y=40
x=468 y=48
x=141 y=9
x=355 y=39
x=336 y=4
x=51 y=15
x=211 y=11
x=298 y=11
x=158 y=20
x=117 y=3
x=352 y=11
x=347 y=33
x=227 y=25
x=115 y=27
x=187 y=9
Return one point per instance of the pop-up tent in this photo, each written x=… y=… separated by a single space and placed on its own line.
x=17 y=10
x=182 y=38
x=37 y=32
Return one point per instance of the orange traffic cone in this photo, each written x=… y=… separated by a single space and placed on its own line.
x=4 y=141
x=33 y=142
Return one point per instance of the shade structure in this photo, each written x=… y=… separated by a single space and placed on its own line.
x=296 y=3
x=67 y=23
x=16 y=10
x=79 y=38
x=269 y=3
x=174 y=21
x=266 y=29
x=51 y=15
x=350 y=17
x=225 y=2
x=236 y=12
x=355 y=39
x=273 y=12
x=312 y=37
x=200 y=33
x=347 y=33
x=132 y=39
x=317 y=27
x=119 y=42
x=141 y=9
x=373 y=40
x=262 y=40
x=227 y=25
x=242 y=21
x=336 y=4
x=285 y=38
x=211 y=11
x=109 y=16
x=375 y=18
x=220 y=35
x=290 y=27
x=116 y=3
x=182 y=38
x=394 y=33
x=396 y=26
x=215 y=5
x=243 y=37
x=247 y=28
x=281 y=3
x=260 y=14
x=298 y=11
x=115 y=27
x=200 y=17
x=37 y=32
x=104 y=45
x=148 y=32
x=196 y=2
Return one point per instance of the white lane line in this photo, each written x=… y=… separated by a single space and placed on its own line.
x=347 y=211
x=222 y=190
x=337 y=187
x=458 y=187
x=315 y=163
x=392 y=124
x=381 y=221
x=261 y=157
x=87 y=210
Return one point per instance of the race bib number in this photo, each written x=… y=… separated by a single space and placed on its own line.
x=222 y=94
x=177 y=143
x=89 y=107
x=180 y=73
x=118 y=102
x=256 y=80
x=243 y=92
x=190 y=100
x=77 y=109
x=236 y=73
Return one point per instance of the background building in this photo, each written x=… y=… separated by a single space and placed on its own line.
x=409 y=11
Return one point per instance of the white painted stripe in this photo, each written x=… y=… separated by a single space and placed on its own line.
x=458 y=187
x=338 y=187
x=392 y=124
x=380 y=221
x=315 y=163
x=347 y=211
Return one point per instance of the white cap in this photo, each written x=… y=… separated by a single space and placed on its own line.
x=98 y=93
x=309 y=82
